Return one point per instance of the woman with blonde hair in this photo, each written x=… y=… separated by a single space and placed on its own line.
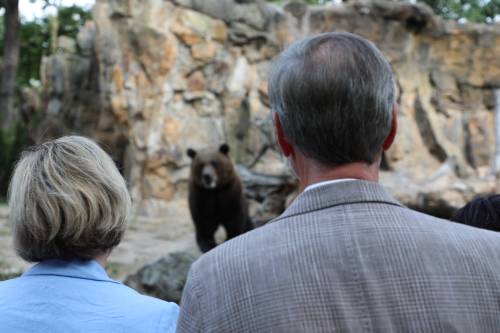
x=68 y=209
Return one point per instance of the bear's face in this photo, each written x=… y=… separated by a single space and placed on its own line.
x=211 y=168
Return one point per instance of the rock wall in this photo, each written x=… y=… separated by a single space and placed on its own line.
x=150 y=78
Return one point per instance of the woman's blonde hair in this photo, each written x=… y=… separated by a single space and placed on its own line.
x=67 y=200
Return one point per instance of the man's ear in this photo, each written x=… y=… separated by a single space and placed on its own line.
x=191 y=152
x=394 y=128
x=224 y=148
x=285 y=146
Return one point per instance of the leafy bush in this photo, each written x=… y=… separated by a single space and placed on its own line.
x=482 y=11
x=469 y=10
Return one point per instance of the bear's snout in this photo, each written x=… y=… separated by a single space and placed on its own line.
x=206 y=179
x=209 y=177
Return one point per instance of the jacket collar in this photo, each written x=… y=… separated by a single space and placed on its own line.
x=338 y=193
x=80 y=269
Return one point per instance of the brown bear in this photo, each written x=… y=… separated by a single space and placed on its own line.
x=216 y=196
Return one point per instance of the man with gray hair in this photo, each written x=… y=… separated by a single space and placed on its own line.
x=345 y=256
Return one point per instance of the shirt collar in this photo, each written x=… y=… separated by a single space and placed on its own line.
x=327 y=182
x=80 y=269
x=338 y=193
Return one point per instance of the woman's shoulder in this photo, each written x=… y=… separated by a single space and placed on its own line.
x=8 y=286
x=145 y=300
x=146 y=308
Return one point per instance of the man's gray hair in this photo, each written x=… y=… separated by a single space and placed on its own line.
x=333 y=94
x=67 y=200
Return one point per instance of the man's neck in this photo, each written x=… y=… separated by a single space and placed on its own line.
x=311 y=172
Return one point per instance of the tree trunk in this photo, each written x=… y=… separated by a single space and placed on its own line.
x=8 y=114
x=54 y=28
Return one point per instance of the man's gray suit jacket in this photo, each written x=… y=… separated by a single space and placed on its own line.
x=347 y=257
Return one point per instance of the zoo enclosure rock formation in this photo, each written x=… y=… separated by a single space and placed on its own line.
x=150 y=78
x=164 y=277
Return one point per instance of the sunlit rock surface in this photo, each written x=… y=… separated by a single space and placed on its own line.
x=150 y=78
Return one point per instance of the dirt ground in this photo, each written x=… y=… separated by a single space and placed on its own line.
x=145 y=240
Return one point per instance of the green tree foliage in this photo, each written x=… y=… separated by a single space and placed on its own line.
x=482 y=11
x=472 y=11
x=34 y=44
x=35 y=39
x=71 y=19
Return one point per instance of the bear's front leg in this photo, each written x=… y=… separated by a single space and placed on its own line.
x=205 y=240
x=233 y=228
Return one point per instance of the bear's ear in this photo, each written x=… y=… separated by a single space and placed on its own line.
x=191 y=152
x=224 y=148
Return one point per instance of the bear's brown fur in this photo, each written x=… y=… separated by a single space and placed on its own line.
x=216 y=196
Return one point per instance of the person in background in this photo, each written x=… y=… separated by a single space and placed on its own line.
x=68 y=209
x=481 y=212
x=345 y=256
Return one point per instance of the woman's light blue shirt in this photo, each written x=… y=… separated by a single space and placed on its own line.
x=78 y=296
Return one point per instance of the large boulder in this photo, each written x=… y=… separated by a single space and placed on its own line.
x=165 y=277
x=7 y=273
